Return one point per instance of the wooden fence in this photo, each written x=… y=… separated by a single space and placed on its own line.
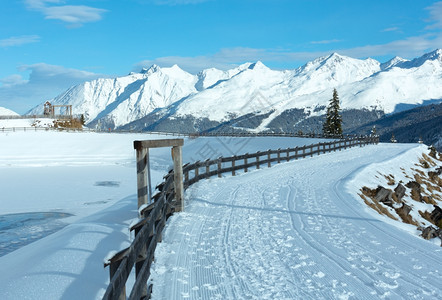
x=185 y=134
x=22 y=117
x=154 y=216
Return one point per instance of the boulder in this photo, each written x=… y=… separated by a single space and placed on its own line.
x=399 y=191
x=435 y=174
x=404 y=209
x=415 y=190
x=414 y=185
x=436 y=215
x=429 y=233
x=384 y=195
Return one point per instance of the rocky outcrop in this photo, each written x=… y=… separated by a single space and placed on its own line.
x=404 y=209
x=384 y=196
x=436 y=216
x=399 y=191
x=429 y=232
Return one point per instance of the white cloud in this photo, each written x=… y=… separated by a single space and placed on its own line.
x=44 y=82
x=326 y=42
x=229 y=58
x=40 y=4
x=408 y=48
x=12 y=80
x=19 y=40
x=72 y=14
x=390 y=29
x=435 y=18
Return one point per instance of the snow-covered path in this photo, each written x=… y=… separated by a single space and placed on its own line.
x=293 y=231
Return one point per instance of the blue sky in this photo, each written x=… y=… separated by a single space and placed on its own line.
x=47 y=46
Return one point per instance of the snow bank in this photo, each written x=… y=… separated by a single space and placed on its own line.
x=389 y=174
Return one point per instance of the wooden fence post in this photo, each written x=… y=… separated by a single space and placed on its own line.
x=177 y=155
x=112 y=269
x=142 y=166
x=279 y=155
x=207 y=168
x=257 y=160
x=245 y=163
x=269 y=163
x=219 y=167
x=233 y=167
x=197 y=170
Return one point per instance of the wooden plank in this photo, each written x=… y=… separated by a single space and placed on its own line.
x=158 y=143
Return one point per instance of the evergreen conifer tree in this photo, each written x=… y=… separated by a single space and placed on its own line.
x=333 y=119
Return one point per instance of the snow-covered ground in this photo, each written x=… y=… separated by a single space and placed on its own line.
x=91 y=176
x=295 y=231
x=20 y=124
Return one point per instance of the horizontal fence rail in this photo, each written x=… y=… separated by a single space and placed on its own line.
x=181 y=134
x=222 y=165
x=23 y=117
x=148 y=230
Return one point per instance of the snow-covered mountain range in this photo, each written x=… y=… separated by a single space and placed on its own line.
x=7 y=112
x=255 y=98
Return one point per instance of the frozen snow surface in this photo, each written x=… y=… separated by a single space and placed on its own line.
x=254 y=88
x=293 y=231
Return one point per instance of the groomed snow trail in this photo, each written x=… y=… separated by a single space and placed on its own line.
x=292 y=232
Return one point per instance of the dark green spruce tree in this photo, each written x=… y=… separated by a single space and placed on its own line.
x=333 y=119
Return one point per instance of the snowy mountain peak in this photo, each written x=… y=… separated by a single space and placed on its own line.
x=336 y=57
x=335 y=61
x=434 y=56
x=7 y=112
x=152 y=69
x=257 y=66
x=395 y=61
x=218 y=95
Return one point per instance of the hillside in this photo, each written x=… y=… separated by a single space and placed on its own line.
x=255 y=98
x=409 y=126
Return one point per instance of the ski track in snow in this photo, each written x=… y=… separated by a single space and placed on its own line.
x=292 y=232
